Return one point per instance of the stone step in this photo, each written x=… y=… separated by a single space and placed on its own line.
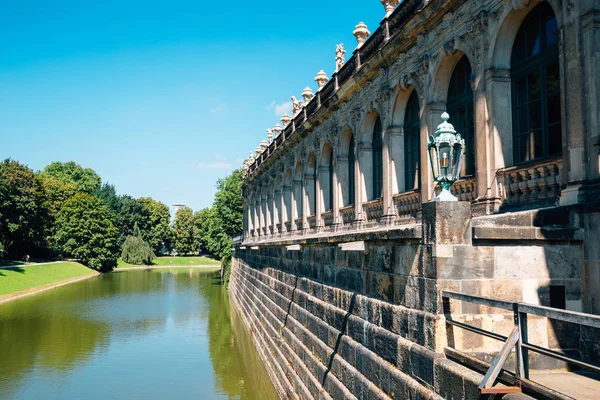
x=562 y=216
x=528 y=233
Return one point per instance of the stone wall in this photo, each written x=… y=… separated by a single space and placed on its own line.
x=360 y=315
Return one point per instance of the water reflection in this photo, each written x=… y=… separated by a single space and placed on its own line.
x=136 y=334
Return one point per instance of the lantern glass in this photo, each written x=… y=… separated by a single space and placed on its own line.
x=435 y=165
x=458 y=159
x=445 y=159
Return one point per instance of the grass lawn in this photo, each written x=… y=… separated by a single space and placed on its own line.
x=175 y=261
x=34 y=276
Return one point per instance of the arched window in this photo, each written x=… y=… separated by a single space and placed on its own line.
x=460 y=108
x=377 y=145
x=412 y=132
x=535 y=80
x=331 y=187
x=351 y=174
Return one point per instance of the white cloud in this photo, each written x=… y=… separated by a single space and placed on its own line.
x=221 y=162
x=280 y=109
x=218 y=109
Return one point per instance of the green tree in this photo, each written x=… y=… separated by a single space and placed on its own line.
x=56 y=193
x=86 y=180
x=85 y=231
x=159 y=230
x=108 y=194
x=225 y=217
x=132 y=212
x=22 y=212
x=183 y=231
x=136 y=251
x=200 y=231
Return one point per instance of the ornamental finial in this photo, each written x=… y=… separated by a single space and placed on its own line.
x=361 y=32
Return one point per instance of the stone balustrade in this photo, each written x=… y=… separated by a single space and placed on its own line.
x=464 y=189
x=327 y=217
x=530 y=185
x=347 y=215
x=298 y=223
x=373 y=211
x=312 y=222
x=407 y=206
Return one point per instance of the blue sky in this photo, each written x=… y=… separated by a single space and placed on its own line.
x=160 y=98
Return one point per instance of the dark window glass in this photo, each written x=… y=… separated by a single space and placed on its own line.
x=314 y=196
x=377 y=145
x=412 y=132
x=536 y=87
x=351 y=162
x=558 y=297
x=460 y=108
x=331 y=187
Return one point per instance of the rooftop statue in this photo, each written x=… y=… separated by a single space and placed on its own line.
x=297 y=105
x=340 y=57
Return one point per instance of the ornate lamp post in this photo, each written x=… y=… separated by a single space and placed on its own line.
x=445 y=153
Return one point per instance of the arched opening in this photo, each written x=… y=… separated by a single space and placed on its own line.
x=412 y=133
x=311 y=184
x=287 y=195
x=298 y=202
x=460 y=108
x=536 y=105
x=377 y=153
x=326 y=177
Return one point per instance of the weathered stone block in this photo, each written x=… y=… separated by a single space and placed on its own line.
x=421 y=364
x=447 y=223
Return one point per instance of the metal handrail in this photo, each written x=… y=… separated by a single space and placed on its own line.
x=519 y=335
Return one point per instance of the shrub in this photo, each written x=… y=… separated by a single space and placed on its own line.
x=136 y=251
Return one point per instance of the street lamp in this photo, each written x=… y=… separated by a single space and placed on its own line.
x=445 y=153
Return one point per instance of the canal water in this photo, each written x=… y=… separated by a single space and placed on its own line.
x=159 y=334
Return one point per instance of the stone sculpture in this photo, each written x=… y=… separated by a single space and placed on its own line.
x=340 y=57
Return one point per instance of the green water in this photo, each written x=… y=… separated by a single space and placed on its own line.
x=161 y=334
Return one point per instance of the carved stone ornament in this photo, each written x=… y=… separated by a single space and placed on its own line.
x=361 y=32
x=263 y=145
x=277 y=130
x=449 y=47
x=321 y=79
x=520 y=4
x=296 y=105
x=285 y=120
x=340 y=57
x=270 y=135
x=404 y=82
x=389 y=6
x=307 y=94
x=257 y=150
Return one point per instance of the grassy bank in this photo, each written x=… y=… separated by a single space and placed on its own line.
x=176 y=262
x=22 y=279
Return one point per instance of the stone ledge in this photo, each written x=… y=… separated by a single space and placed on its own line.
x=527 y=233
x=404 y=232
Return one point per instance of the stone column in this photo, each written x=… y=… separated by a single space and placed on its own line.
x=277 y=211
x=284 y=207
x=269 y=222
x=322 y=182
x=578 y=58
x=485 y=187
x=498 y=101
x=389 y=213
x=341 y=182
x=305 y=204
x=363 y=167
x=263 y=220
x=337 y=199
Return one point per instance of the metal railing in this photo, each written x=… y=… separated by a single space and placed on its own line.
x=518 y=339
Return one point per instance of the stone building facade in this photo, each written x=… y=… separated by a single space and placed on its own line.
x=519 y=79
